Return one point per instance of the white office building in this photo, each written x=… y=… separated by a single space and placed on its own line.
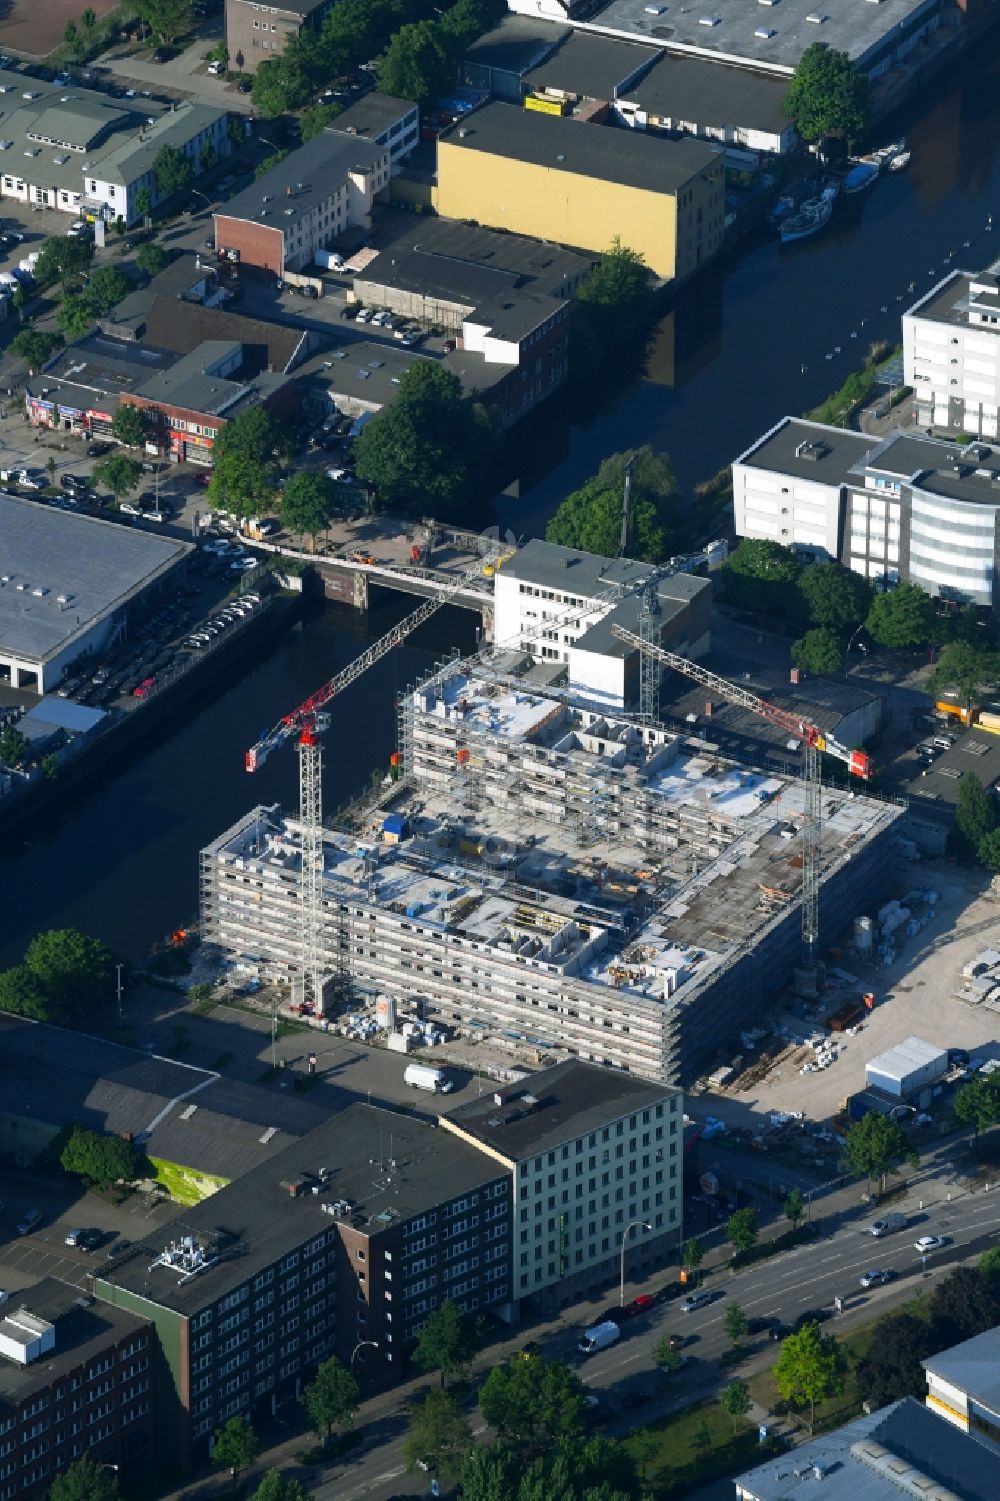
x=789 y=486
x=951 y=353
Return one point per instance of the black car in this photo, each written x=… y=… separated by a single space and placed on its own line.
x=670 y=1292
x=98 y=450
x=244 y=86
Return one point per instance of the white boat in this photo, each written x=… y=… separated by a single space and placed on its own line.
x=809 y=219
x=899 y=162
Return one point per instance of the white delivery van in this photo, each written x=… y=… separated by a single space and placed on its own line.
x=598 y=1338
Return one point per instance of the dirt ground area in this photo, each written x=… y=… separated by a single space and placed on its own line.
x=914 y=996
x=35 y=27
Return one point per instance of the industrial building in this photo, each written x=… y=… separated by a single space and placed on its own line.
x=556 y=178
x=571 y=882
x=906 y=1074
x=76 y=1381
x=592 y=1155
x=906 y=507
x=559 y=604
x=951 y=353
x=963 y=1387
x=69 y=585
x=351 y=1235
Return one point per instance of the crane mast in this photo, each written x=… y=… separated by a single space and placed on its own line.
x=815 y=743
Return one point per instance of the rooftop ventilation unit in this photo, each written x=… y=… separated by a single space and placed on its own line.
x=813 y=449
x=187 y=1257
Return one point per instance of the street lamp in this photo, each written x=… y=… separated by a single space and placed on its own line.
x=630 y=1226
x=119 y=968
x=371 y=1344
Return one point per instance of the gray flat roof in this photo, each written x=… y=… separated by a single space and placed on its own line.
x=977 y=751
x=856 y=29
x=188 y=384
x=841 y=450
x=517 y=44
x=515 y=314
x=824 y=701
x=82 y=1330
x=711 y=94
x=675 y=592
x=305 y=178
x=569 y=569
x=571 y=1098
x=595 y=67
x=95 y=565
x=370 y=372
x=105 y=365
x=948 y=301
x=372 y=113
x=903 y=1449
x=974 y=1368
x=969 y=472
x=624 y=156
x=438 y=276
x=131 y=159
x=262 y=1221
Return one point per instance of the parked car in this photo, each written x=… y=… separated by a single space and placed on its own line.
x=29 y=1222
x=128 y=508
x=83 y=1240
x=696 y=1300
x=98 y=450
x=876 y=1278
x=638 y=1305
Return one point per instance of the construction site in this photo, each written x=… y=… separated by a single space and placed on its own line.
x=542 y=875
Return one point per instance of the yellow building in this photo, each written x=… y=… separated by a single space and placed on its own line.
x=582 y=185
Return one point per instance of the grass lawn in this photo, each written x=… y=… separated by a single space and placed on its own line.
x=837 y=1410
x=690 y=1448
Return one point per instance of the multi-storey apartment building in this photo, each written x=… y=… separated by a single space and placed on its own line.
x=596 y=1159
x=951 y=353
x=354 y=1233
x=256 y=32
x=282 y=219
x=76 y=1381
x=907 y=507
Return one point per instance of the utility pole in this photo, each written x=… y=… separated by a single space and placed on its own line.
x=118 y=967
x=626 y=507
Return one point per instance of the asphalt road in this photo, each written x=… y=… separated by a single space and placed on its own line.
x=783 y=1288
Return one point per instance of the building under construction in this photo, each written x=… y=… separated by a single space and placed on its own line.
x=550 y=876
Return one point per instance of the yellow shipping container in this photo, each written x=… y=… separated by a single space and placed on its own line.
x=546 y=106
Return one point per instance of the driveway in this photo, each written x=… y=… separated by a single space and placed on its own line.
x=186 y=75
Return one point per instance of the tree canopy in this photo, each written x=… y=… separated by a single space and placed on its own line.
x=440 y=1435
x=430 y=451
x=741 y=1229
x=100 y=1160
x=891 y=1367
x=835 y=596
x=130 y=426
x=245 y=458
x=735 y=1399
x=62 y=258
x=278 y=1487
x=964 y=669
x=810 y=1368
x=120 y=473
x=762 y=577
x=975 y=819
x=828 y=95
x=317 y=118
x=875 y=1145
x=151 y=258
x=735 y=1323
x=417 y=64
x=74 y=970
x=977 y=1104
x=966 y=1303
x=614 y=307
x=307 y=504
x=591 y=517
x=34 y=346
x=595 y=1469
x=236 y=1446
x=446 y=1341
x=794 y=1206
x=13 y=745
x=531 y=1403
x=172 y=170
x=85 y=1481
x=332 y=1397
x=902 y=618
x=169 y=19
x=23 y=994
x=818 y=652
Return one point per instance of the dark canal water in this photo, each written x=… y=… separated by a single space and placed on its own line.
x=745 y=345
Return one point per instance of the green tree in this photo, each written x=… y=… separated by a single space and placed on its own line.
x=172 y=171
x=50 y=766
x=71 y=37
x=795 y=1207
x=269 y=163
x=810 y=1367
x=665 y=1354
x=23 y=994
x=144 y=203
x=591 y=517
x=75 y=316
x=531 y=1403
x=208 y=157
x=316 y=118
x=975 y=818
x=693 y=1254
x=13 y=745
x=819 y=652
x=151 y=258
x=735 y=1400
x=85 y=1481
x=50 y=468
x=828 y=95
x=245 y=457
x=430 y=451
x=89 y=20
x=278 y=1487
x=106 y=288
x=965 y=1304
x=279 y=85
x=835 y=596
x=169 y=19
x=74 y=969
x=130 y=426
x=735 y=1323
x=891 y=1366
x=17 y=302
x=332 y=1397
x=989 y=849
x=969 y=670
x=446 y=1341
x=763 y=578
x=989 y=1263
x=613 y=313
x=416 y=65
x=440 y=1436
x=98 y=1159
x=977 y=1104
x=62 y=259
x=34 y=347
x=875 y=1145
x=236 y=1447
x=119 y=473
x=741 y=1229
x=307 y=505
x=901 y=618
